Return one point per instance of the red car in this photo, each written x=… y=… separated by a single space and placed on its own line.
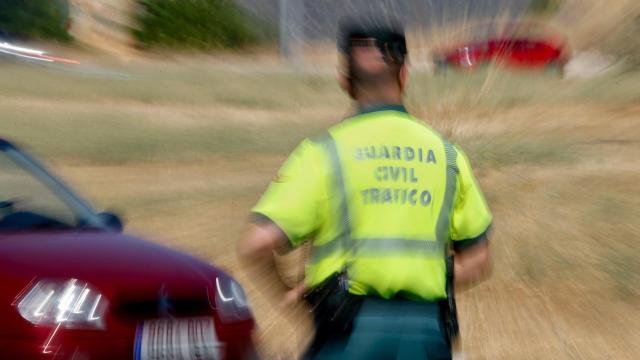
x=517 y=52
x=72 y=286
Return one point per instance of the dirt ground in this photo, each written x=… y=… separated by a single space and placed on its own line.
x=184 y=149
x=565 y=282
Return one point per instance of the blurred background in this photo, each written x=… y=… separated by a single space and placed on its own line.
x=177 y=114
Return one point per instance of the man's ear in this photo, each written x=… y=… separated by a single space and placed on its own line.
x=403 y=77
x=345 y=82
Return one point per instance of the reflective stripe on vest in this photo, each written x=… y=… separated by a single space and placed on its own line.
x=444 y=218
x=343 y=240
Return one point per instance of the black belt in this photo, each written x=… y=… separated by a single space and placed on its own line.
x=335 y=309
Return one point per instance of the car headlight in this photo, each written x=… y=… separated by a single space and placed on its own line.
x=231 y=301
x=72 y=304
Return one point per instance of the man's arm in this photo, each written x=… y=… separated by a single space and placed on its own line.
x=256 y=250
x=286 y=214
x=471 y=216
x=261 y=240
x=472 y=264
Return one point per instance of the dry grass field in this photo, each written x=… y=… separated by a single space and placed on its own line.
x=184 y=149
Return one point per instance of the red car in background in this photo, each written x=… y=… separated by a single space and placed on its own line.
x=523 y=44
x=518 y=52
x=72 y=286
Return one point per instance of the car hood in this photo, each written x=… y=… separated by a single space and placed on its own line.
x=124 y=268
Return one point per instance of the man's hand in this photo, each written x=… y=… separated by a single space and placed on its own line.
x=293 y=296
x=473 y=264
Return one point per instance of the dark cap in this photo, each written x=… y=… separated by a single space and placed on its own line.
x=388 y=36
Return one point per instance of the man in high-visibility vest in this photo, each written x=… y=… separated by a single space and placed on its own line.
x=385 y=200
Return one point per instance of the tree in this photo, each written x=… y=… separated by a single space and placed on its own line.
x=43 y=19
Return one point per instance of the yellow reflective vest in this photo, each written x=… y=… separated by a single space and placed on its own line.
x=382 y=195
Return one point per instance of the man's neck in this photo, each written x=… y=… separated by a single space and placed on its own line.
x=367 y=99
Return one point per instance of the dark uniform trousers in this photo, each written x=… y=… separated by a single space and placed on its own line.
x=388 y=329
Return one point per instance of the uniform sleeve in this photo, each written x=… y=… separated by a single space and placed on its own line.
x=471 y=216
x=293 y=200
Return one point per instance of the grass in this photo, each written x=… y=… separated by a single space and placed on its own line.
x=177 y=116
x=185 y=148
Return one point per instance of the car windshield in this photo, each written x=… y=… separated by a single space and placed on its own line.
x=32 y=199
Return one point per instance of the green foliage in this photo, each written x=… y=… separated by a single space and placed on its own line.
x=544 y=7
x=196 y=24
x=43 y=19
